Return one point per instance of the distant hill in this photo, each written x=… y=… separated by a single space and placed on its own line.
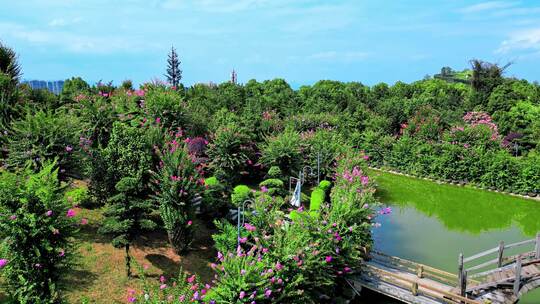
x=448 y=74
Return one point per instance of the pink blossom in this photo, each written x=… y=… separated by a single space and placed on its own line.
x=84 y=221
x=13 y=217
x=242 y=294
x=190 y=222
x=268 y=293
x=328 y=259
x=3 y=263
x=70 y=213
x=264 y=189
x=249 y=227
x=49 y=213
x=191 y=279
x=163 y=286
x=69 y=148
x=162 y=279
x=364 y=180
x=366 y=157
x=61 y=253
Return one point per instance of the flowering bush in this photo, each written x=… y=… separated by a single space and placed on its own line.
x=181 y=290
x=167 y=105
x=176 y=184
x=310 y=255
x=283 y=151
x=229 y=152
x=38 y=228
x=45 y=136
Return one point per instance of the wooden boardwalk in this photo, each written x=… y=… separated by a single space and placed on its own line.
x=480 y=280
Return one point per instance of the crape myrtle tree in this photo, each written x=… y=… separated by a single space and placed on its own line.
x=37 y=228
x=174 y=73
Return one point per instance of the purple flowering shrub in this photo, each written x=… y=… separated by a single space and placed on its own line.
x=176 y=183
x=181 y=290
x=197 y=146
x=311 y=255
x=38 y=228
x=229 y=152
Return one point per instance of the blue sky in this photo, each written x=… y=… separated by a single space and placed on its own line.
x=302 y=41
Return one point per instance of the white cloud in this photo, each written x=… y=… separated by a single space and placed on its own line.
x=521 y=41
x=71 y=42
x=488 y=6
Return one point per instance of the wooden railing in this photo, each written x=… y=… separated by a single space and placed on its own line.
x=417 y=287
x=499 y=262
x=422 y=271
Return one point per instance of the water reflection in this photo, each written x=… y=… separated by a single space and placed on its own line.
x=433 y=223
x=458 y=208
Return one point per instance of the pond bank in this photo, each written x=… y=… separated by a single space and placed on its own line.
x=469 y=185
x=432 y=223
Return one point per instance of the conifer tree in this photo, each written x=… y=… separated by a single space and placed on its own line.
x=127 y=163
x=174 y=73
x=127 y=215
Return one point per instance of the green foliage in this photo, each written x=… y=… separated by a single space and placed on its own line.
x=77 y=196
x=126 y=155
x=317 y=199
x=229 y=151
x=127 y=215
x=215 y=201
x=73 y=88
x=273 y=186
x=44 y=136
x=324 y=146
x=166 y=104
x=176 y=184
x=275 y=172
x=240 y=194
x=299 y=256
x=38 y=229
x=325 y=185
x=283 y=150
x=226 y=239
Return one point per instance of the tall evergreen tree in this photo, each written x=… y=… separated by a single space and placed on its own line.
x=174 y=73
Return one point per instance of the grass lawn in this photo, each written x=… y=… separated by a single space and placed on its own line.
x=100 y=274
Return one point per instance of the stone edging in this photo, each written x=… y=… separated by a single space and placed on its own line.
x=537 y=198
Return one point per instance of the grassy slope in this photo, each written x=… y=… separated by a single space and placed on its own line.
x=100 y=273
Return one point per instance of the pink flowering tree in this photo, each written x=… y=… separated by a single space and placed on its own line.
x=479 y=130
x=38 y=228
x=176 y=182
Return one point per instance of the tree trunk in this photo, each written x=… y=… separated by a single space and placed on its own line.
x=180 y=239
x=128 y=262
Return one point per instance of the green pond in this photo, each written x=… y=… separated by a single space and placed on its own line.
x=432 y=223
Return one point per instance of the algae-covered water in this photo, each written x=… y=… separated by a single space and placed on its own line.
x=432 y=223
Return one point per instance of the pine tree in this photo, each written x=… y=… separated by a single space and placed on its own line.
x=174 y=73
x=127 y=215
x=126 y=164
